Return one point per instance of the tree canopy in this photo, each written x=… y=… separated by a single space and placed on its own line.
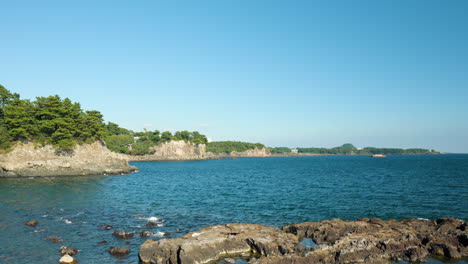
x=48 y=120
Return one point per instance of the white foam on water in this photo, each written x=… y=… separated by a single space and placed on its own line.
x=152 y=219
x=67 y=221
x=45 y=215
x=425 y=219
x=159 y=234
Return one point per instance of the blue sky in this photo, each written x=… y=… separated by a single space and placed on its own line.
x=284 y=73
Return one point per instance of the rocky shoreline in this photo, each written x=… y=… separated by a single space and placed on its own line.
x=29 y=160
x=367 y=240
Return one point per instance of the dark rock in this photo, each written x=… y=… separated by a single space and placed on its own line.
x=102 y=242
x=54 y=239
x=107 y=227
x=31 y=223
x=146 y=233
x=68 y=251
x=122 y=234
x=127 y=242
x=153 y=224
x=119 y=251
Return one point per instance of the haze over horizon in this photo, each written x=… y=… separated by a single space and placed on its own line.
x=283 y=73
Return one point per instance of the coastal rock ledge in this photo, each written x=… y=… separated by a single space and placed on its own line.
x=28 y=160
x=368 y=240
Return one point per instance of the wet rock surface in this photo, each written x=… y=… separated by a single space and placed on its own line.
x=119 y=251
x=368 y=240
x=122 y=234
x=67 y=251
x=54 y=239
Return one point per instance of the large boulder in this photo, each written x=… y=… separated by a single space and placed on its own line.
x=218 y=242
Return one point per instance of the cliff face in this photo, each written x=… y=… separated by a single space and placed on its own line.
x=174 y=150
x=26 y=160
x=251 y=153
x=181 y=150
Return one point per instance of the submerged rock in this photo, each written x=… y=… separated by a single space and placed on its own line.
x=32 y=223
x=119 y=251
x=67 y=259
x=107 y=227
x=54 y=239
x=122 y=234
x=68 y=251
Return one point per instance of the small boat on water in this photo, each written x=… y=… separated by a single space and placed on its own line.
x=378 y=156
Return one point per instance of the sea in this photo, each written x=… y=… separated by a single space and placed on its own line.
x=180 y=197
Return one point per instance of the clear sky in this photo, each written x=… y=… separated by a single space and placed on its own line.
x=284 y=73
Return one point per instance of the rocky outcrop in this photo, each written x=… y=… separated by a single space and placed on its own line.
x=174 y=150
x=251 y=153
x=217 y=242
x=367 y=240
x=27 y=160
x=181 y=150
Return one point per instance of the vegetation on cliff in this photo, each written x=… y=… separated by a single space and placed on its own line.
x=47 y=120
x=122 y=140
x=229 y=146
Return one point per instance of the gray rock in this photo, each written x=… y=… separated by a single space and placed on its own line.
x=68 y=251
x=215 y=242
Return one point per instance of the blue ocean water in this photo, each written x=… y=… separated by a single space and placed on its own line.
x=190 y=195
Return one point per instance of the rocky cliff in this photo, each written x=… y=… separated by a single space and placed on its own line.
x=181 y=150
x=174 y=150
x=27 y=160
x=251 y=153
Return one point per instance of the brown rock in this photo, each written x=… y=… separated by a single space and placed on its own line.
x=31 y=223
x=119 y=251
x=54 y=239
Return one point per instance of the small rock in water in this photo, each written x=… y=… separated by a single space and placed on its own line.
x=119 y=251
x=102 y=242
x=127 y=242
x=67 y=259
x=153 y=224
x=107 y=227
x=54 y=239
x=31 y=223
x=122 y=234
x=146 y=233
x=68 y=251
